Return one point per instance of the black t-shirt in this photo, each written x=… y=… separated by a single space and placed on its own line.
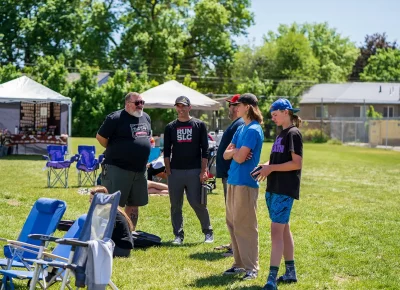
x=128 y=140
x=222 y=164
x=286 y=182
x=122 y=235
x=188 y=143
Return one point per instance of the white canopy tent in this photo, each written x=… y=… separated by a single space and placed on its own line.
x=26 y=90
x=163 y=96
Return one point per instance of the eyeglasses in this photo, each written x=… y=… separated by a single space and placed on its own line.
x=137 y=103
x=232 y=105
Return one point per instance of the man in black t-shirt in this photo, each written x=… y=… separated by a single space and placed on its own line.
x=185 y=156
x=125 y=135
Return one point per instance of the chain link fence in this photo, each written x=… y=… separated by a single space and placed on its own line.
x=374 y=132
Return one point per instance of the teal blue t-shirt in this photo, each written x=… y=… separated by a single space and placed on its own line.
x=251 y=136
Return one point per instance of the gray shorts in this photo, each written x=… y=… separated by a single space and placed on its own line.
x=133 y=185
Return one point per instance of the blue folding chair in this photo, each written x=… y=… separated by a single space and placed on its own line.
x=57 y=165
x=43 y=219
x=154 y=154
x=40 y=273
x=99 y=225
x=87 y=165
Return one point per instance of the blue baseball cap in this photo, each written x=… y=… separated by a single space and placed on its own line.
x=282 y=104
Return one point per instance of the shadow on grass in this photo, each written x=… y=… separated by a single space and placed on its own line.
x=184 y=245
x=23 y=157
x=213 y=281
x=254 y=287
x=207 y=256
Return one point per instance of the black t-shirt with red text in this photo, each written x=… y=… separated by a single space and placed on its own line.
x=186 y=143
x=128 y=140
x=286 y=182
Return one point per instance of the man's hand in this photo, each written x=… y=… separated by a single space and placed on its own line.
x=203 y=176
x=168 y=171
x=264 y=172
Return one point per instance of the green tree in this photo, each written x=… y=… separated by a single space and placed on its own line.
x=371 y=44
x=8 y=73
x=50 y=72
x=383 y=67
x=371 y=113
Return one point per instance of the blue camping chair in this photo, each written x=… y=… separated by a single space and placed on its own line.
x=43 y=219
x=154 y=154
x=57 y=165
x=87 y=165
x=60 y=253
x=99 y=225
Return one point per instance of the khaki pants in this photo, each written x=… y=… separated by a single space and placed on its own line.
x=241 y=219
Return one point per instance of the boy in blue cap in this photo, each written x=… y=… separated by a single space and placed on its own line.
x=283 y=173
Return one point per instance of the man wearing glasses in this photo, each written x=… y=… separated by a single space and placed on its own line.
x=126 y=136
x=222 y=164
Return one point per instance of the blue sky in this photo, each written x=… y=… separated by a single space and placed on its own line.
x=351 y=18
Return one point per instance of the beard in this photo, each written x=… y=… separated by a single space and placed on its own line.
x=137 y=113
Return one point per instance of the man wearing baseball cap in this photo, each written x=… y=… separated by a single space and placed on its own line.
x=222 y=164
x=186 y=156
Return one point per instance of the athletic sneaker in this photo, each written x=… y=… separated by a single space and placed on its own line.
x=270 y=286
x=250 y=275
x=209 y=238
x=228 y=253
x=234 y=270
x=286 y=279
x=178 y=240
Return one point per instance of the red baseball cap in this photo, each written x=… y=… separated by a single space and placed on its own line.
x=234 y=99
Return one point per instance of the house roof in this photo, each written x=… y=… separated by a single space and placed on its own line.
x=370 y=93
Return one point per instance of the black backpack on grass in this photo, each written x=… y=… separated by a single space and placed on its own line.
x=145 y=240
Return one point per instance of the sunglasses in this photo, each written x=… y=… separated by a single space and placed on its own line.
x=232 y=105
x=137 y=103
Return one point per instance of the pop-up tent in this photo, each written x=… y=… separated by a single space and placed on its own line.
x=23 y=90
x=163 y=96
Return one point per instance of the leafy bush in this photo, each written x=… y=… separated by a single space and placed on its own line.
x=315 y=136
x=335 y=141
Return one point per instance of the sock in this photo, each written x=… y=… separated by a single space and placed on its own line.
x=273 y=272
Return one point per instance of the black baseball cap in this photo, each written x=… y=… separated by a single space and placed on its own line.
x=182 y=100
x=248 y=99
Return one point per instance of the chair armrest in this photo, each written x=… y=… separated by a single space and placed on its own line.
x=43 y=238
x=72 y=242
x=101 y=158
x=74 y=158
x=45 y=157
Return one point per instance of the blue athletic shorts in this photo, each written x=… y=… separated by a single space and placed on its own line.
x=279 y=207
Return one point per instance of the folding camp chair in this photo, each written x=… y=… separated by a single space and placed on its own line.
x=43 y=219
x=87 y=165
x=57 y=165
x=99 y=225
x=41 y=269
x=211 y=165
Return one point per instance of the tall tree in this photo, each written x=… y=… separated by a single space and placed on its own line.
x=370 y=47
x=8 y=72
x=384 y=66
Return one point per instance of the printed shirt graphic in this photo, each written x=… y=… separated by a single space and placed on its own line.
x=184 y=134
x=278 y=147
x=140 y=130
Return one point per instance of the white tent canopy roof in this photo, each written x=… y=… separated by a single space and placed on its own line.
x=24 y=89
x=164 y=96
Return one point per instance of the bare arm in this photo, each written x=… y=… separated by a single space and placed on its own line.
x=167 y=164
x=240 y=155
x=103 y=141
x=230 y=150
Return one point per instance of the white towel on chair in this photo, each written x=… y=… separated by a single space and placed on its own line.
x=99 y=264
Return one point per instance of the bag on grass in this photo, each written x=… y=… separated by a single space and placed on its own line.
x=145 y=240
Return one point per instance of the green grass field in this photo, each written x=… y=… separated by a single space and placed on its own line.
x=346 y=225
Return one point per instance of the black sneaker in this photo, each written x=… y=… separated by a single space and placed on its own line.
x=209 y=238
x=250 y=275
x=286 y=279
x=270 y=286
x=234 y=270
x=178 y=240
